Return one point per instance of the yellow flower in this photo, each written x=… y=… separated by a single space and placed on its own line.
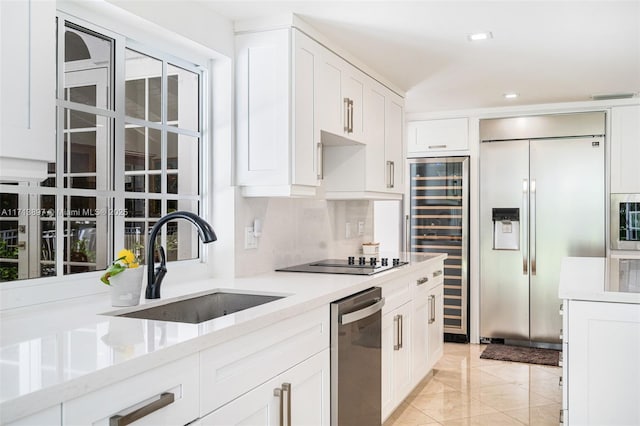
x=127 y=256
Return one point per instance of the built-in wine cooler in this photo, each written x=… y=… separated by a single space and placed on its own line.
x=438 y=221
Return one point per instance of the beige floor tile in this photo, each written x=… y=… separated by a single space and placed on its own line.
x=493 y=419
x=450 y=406
x=546 y=415
x=466 y=379
x=549 y=389
x=431 y=387
x=509 y=397
x=511 y=372
x=407 y=415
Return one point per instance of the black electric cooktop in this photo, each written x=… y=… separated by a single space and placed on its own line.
x=350 y=266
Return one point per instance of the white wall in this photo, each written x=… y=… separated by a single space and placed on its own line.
x=297 y=231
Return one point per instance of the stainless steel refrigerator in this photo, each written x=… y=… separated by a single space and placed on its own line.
x=540 y=201
x=438 y=220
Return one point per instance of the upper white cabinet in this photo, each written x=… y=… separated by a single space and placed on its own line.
x=340 y=97
x=372 y=170
x=277 y=130
x=27 y=89
x=425 y=137
x=625 y=149
x=306 y=115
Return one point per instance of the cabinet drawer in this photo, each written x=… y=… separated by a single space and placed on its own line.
x=152 y=389
x=396 y=293
x=425 y=280
x=232 y=369
x=438 y=135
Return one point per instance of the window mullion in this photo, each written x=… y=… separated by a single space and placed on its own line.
x=117 y=156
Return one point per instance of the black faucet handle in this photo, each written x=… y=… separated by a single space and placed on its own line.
x=163 y=257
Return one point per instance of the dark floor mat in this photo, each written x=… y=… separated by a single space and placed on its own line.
x=521 y=354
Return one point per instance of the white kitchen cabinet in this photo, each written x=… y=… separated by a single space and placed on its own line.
x=373 y=170
x=427 y=340
x=396 y=357
x=239 y=365
x=602 y=376
x=341 y=90
x=278 y=138
x=625 y=149
x=51 y=417
x=27 y=89
x=167 y=395
x=301 y=392
x=429 y=136
x=394 y=143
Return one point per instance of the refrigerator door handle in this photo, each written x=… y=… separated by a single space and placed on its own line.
x=525 y=196
x=533 y=227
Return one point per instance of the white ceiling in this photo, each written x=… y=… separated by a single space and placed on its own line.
x=547 y=51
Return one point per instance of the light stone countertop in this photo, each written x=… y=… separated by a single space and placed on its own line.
x=56 y=352
x=583 y=278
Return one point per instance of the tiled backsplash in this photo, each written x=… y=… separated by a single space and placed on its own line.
x=299 y=230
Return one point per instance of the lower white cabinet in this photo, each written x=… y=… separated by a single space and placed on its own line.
x=299 y=396
x=167 y=395
x=50 y=417
x=428 y=333
x=602 y=353
x=396 y=357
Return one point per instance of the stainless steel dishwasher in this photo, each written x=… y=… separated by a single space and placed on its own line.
x=356 y=359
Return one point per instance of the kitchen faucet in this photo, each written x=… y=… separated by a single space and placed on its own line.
x=156 y=275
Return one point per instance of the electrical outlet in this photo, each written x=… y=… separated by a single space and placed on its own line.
x=347 y=230
x=360 y=227
x=250 y=240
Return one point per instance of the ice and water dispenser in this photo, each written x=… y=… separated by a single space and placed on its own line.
x=506 y=228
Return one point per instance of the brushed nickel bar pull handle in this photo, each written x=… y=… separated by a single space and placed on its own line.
x=165 y=399
x=407 y=233
x=396 y=337
x=350 y=115
x=525 y=230
x=346 y=115
x=393 y=174
x=437 y=146
x=401 y=331
x=286 y=387
x=277 y=392
x=533 y=227
x=320 y=165
x=432 y=309
x=422 y=280
x=389 y=184
x=437 y=273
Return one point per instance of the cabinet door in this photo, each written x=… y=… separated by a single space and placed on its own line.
x=396 y=357
x=374 y=111
x=27 y=83
x=331 y=108
x=438 y=135
x=394 y=146
x=306 y=133
x=420 y=339
x=303 y=391
x=625 y=149
x=435 y=326
x=603 y=368
x=353 y=90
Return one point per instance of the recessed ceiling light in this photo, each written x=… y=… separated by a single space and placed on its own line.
x=480 y=36
x=510 y=95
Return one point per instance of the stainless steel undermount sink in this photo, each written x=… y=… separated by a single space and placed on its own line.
x=201 y=308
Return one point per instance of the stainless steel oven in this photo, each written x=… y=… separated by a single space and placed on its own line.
x=625 y=221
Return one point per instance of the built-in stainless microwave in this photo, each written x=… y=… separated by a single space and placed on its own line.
x=625 y=221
